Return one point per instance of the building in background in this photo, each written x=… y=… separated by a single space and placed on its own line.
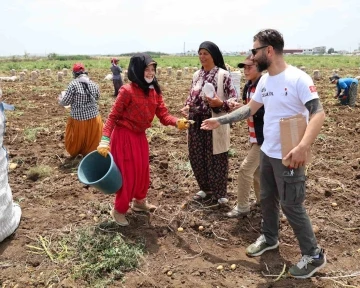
x=319 y=50
x=308 y=52
x=293 y=51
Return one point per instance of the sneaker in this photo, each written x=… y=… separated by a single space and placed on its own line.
x=308 y=265
x=142 y=206
x=237 y=212
x=259 y=247
x=119 y=218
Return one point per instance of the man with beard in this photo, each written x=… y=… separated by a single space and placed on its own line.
x=284 y=91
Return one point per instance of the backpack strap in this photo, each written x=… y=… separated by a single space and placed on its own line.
x=87 y=91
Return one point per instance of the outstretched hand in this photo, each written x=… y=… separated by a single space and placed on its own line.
x=210 y=124
x=185 y=111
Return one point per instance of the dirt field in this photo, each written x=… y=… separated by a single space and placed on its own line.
x=55 y=204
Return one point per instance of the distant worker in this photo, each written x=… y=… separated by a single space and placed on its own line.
x=349 y=85
x=116 y=71
x=84 y=126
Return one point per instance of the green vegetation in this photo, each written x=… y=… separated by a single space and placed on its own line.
x=14 y=114
x=30 y=133
x=56 y=62
x=151 y=53
x=54 y=56
x=232 y=153
x=96 y=256
x=40 y=171
x=102 y=258
x=8 y=91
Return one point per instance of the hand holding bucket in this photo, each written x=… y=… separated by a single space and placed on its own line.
x=104 y=146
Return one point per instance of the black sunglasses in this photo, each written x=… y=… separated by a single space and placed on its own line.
x=254 y=51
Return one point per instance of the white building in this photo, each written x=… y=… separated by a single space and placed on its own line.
x=319 y=50
x=191 y=53
x=307 y=51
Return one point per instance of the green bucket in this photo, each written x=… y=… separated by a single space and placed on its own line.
x=100 y=172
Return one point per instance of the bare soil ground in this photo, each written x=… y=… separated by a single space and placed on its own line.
x=57 y=204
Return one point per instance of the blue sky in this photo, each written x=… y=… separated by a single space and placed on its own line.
x=121 y=26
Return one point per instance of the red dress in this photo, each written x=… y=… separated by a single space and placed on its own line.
x=130 y=116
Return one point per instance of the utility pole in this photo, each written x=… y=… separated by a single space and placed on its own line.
x=184 y=48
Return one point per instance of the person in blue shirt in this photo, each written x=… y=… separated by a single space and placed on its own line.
x=349 y=87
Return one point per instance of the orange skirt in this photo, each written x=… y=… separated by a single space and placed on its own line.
x=83 y=136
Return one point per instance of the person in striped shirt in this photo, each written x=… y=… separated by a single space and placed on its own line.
x=249 y=172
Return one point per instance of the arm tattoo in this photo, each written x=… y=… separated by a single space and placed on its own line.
x=314 y=106
x=237 y=115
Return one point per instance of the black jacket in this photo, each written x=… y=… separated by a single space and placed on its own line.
x=258 y=116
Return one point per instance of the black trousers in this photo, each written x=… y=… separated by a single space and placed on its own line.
x=117 y=84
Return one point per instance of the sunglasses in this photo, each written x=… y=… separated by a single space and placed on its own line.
x=254 y=51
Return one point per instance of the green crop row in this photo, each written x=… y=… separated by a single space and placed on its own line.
x=176 y=62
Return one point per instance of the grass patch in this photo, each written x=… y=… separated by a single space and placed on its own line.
x=30 y=133
x=40 y=89
x=232 y=153
x=14 y=114
x=61 y=86
x=9 y=91
x=27 y=104
x=322 y=137
x=103 y=258
x=184 y=166
x=40 y=171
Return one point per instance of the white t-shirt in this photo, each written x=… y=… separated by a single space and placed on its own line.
x=283 y=95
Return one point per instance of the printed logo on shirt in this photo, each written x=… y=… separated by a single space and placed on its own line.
x=312 y=89
x=266 y=94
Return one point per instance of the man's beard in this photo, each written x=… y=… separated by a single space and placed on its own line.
x=262 y=64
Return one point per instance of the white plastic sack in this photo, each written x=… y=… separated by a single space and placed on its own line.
x=108 y=77
x=236 y=79
x=10 y=212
